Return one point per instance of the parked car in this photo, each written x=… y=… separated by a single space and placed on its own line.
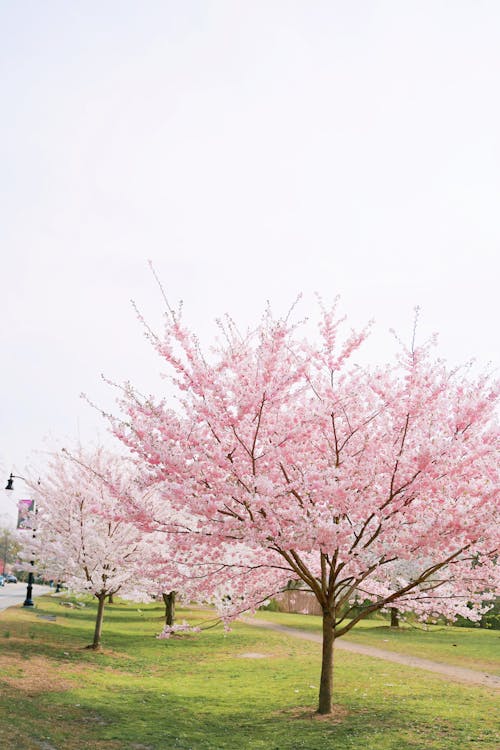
x=10 y=578
x=2 y=580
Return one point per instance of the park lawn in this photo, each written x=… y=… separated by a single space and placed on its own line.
x=474 y=648
x=200 y=692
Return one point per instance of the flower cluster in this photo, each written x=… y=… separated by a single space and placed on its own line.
x=180 y=629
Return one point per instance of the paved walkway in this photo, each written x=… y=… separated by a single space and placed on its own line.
x=459 y=674
x=15 y=593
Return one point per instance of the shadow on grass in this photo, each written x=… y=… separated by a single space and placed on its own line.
x=67 y=637
x=154 y=718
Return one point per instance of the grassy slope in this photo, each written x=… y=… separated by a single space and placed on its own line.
x=465 y=647
x=197 y=692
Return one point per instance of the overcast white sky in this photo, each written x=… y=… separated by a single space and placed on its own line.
x=251 y=150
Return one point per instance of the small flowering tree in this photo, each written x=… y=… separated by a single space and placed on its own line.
x=81 y=535
x=183 y=563
x=295 y=463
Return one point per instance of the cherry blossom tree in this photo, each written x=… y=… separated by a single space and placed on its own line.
x=9 y=548
x=81 y=535
x=295 y=463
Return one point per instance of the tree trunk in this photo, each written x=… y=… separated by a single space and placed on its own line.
x=394 y=618
x=96 y=644
x=169 y=600
x=110 y=598
x=326 y=683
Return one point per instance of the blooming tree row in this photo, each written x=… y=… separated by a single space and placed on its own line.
x=284 y=460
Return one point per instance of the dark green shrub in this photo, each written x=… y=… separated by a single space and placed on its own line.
x=271 y=606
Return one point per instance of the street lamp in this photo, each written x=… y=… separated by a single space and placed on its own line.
x=10 y=481
x=28 y=602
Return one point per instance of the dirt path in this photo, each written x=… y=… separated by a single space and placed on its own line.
x=448 y=671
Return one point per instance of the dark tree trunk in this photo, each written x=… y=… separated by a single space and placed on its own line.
x=169 y=600
x=326 y=682
x=394 y=617
x=101 y=598
x=110 y=598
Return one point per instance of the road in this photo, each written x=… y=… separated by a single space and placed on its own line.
x=15 y=593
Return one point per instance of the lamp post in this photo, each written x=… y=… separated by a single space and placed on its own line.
x=28 y=602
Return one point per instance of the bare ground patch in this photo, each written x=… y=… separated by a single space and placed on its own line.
x=38 y=675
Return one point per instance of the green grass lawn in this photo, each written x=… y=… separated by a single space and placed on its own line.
x=201 y=692
x=473 y=648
